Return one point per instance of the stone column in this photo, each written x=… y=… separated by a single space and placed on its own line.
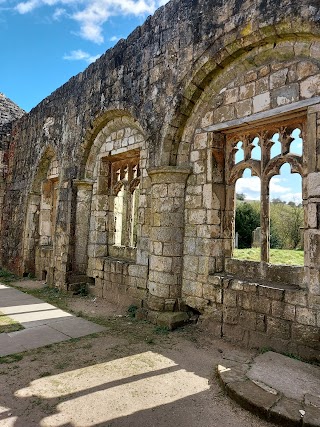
x=166 y=237
x=82 y=225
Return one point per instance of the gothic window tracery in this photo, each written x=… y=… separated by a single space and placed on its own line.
x=125 y=184
x=279 y=144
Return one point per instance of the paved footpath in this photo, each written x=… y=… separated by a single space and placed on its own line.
x=44 y=324
x=279 y=388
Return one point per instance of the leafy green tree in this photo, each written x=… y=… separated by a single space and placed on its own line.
x=286 y=223
x=247 y=220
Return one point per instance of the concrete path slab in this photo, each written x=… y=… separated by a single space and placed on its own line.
x=76 y=327
x=276 y=387
x=27 y=319
x=9 y=346
x=37 y=337
x=44 y=324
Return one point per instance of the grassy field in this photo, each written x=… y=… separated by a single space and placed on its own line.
x=8 y=325
x=277 y=256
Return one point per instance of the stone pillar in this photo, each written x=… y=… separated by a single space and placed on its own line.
x=82 y=225
x=265 y=223
x=166 y=237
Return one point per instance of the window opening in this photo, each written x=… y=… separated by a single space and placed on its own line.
x=247 y=217
x=296 y=144
x=268 y=184
x=134 y=216
x=239 y=152
x=286 y=217
x=125 y=182
x=256 y=150
x=48 y=211
x=276 y=146
x=118 y=216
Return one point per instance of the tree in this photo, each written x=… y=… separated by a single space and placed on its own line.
x=286 y=223
x=247 y=220
x=240 y=196
x=278 y=201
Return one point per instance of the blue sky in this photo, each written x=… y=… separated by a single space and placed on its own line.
x=46 y=42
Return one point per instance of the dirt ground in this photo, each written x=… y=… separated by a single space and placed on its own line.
x=133 y=374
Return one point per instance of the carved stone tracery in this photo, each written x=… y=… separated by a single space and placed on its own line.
x=268 y=165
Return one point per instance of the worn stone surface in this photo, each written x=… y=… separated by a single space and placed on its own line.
x=276 y=387
x=44 y=324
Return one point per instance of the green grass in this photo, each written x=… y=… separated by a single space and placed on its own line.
x=8 y=325
x=11 y=358
x=277 y=256
x=6 y=276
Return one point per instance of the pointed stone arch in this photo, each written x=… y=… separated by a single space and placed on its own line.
x=232 y=54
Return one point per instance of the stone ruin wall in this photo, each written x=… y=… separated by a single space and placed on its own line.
x=174 y=98
x=9 y=112
x=277 y=312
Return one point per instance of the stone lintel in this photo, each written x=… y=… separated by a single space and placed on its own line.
x=169 y=174
x=295 y=107
x=83 y=183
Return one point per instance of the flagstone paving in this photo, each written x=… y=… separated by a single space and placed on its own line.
x=44 y=324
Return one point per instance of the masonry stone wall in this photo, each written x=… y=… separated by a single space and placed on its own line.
x=263 y=316
x=170 y=95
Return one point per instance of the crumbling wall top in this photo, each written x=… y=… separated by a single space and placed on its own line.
x=9 y=110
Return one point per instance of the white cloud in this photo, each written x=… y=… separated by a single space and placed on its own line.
x=80 y=55
x=280 y=188
x=91 y=15
x=250 y=186
x=275 y=187
x=291 y=197
x=58 y=13
x=27 y=6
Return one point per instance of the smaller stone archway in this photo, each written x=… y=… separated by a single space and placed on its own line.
x=39 y=235
x=111 y=224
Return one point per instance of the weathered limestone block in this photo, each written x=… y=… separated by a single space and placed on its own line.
x=283 y=310
x=278 y=328
x=261 y=102
x=199 y=304
x=310 y=87
x=306 y=316
x=313 y=184
x=285 y=95
x=278 y=78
